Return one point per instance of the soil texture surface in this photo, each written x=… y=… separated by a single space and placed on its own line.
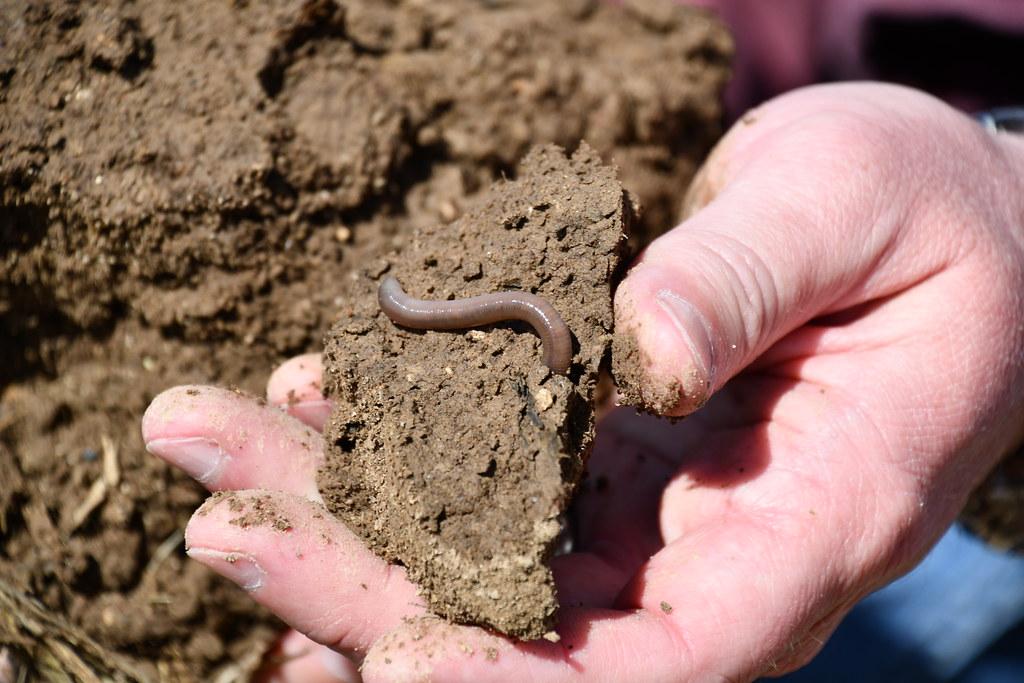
x=186 y=190
x=455 y=452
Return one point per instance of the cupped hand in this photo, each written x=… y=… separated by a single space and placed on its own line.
x=845 y=301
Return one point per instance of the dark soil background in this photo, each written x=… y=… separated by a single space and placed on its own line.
x=184 y=189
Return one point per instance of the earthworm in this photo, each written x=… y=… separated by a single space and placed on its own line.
x=485 y=309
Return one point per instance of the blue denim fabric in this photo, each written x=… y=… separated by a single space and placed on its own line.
x=957 y=618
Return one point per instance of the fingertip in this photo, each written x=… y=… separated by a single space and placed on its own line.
x=239 y=567
x=167 y=406
x=663 y=358
x=296 y=386
x=250 y=537
x=251 y=521
x=301 y=562
x=229 y=440
x=207 y=520
x=297 y=380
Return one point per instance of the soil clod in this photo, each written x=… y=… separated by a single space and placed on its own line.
x=453 y=453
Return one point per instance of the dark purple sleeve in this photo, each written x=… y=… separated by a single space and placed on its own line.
x=967 y=52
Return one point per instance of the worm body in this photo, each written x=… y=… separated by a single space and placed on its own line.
x=485 y=309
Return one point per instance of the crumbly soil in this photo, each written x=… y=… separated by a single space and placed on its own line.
x=185 y=189
x=636 y=387
x=456 y=452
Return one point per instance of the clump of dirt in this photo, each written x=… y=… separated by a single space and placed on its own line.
x=184 y=189
x=635 y=385
x=455 y=453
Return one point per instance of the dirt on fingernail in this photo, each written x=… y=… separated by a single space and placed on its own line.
x=636 y=386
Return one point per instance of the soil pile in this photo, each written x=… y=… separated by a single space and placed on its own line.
x=455 y=453
x=184 y=188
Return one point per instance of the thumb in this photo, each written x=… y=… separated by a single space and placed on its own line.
x=808 y=211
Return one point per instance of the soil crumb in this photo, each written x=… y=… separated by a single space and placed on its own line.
x=260 y=510
x=636 y=387
x=455 y=452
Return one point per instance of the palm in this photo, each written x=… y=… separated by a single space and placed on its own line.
x=766 y=489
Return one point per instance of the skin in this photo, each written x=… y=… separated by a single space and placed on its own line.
x=851 y=275
x=486 y=309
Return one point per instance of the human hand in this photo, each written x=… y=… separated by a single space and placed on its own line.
x=852 y=266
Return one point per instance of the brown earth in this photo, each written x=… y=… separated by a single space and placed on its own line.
x=185 y=188
x=456 y=452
